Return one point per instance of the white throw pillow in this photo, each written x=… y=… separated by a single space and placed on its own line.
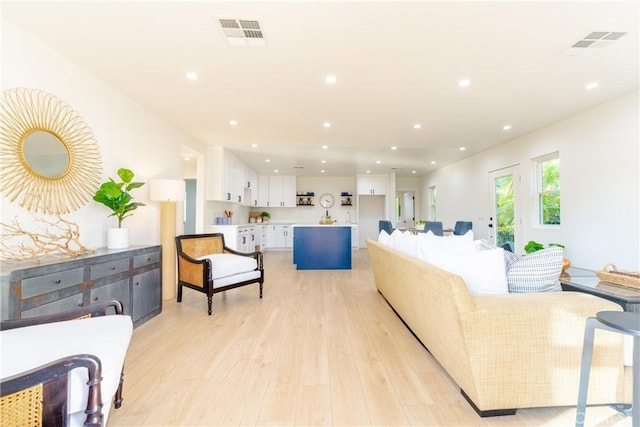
x=404 y=242
x=223 y=265
x=482 y=271
x=430 y=245
x=383 y=237
x=536 y=272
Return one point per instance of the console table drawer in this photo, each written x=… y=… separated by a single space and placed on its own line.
x=146 y=259
x=50 y=282
x=64 y=304
x=108 y=268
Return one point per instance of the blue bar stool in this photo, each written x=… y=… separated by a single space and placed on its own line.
x=623 y=322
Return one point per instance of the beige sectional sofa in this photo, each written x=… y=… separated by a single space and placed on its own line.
x=504 y=351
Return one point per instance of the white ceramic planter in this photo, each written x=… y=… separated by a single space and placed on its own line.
x=117 y=238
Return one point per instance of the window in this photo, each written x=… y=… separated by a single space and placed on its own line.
x=432 y=203
x=548 y=178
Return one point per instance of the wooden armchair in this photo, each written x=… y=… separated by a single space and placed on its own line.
x=207 y=265
x=45 y=349
x=38 y=397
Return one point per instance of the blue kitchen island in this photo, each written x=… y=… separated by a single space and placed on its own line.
x=322 y=247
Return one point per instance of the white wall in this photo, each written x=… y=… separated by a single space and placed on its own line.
x=600 y=185
x=128 y=135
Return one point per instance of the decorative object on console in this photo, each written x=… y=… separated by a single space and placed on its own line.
x=265 y=216
x=36 y=122
x=116 y=196
x=52 y=235
x=168 y=192
x=611 y=274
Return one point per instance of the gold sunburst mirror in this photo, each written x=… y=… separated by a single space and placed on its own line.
x=50 y=160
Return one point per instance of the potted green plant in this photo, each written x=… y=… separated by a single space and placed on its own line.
x=117 y=197
x=533 y=246
x=265 y=216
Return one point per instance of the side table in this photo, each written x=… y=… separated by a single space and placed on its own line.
x=583 y=280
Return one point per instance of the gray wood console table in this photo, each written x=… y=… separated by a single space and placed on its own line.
x=52 y=285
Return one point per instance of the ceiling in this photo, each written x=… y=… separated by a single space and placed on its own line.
x=397 y=64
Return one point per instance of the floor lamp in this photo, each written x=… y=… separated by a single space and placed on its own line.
x=167 y=192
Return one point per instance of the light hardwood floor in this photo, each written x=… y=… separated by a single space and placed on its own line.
x=321 y=348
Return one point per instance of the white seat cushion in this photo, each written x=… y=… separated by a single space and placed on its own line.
x=106 y=337
x=224 y=265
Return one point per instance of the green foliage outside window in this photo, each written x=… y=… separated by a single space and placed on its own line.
x=504 y=210
x=549 y=196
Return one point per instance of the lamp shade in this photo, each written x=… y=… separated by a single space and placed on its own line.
x=167 y=190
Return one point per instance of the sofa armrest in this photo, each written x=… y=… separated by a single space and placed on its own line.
x=540 y=337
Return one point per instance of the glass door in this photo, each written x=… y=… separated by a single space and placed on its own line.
x=505 y=222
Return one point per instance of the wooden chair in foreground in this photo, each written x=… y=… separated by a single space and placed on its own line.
x=40 y=353
x=207 y=265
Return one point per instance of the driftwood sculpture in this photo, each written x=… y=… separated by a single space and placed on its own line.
x=52 y=235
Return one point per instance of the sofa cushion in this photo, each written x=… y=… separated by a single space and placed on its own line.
x=404 y=242
x=383 y=237
x=430 y=245
x=536 y=272
x=223 y=265
x=482 y=271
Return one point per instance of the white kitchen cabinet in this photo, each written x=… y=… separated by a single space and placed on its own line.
x=263 y=190
x=250 y=187
x=225 y=176
x=354 y=237
x=282 y=191
x=374 y=185
x=279 y=236
x=237 y=237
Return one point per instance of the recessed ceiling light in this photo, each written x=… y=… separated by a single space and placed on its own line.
x=394 y=147
x=463 y=148
x=433 y=162
x=186 y=158
x=324 y=147
x=323 y=161
x=233 y=122
x=378 y=162
x=413 y=171
x=417 y=126
x=276 y=171
x=330 y=79
x=190 y=75
x=326 y=124
x=322 y=171
x=254 y=145
x=506 y=127
x=267 y=160
x=591 y=85
x=464 y=82
x=368 y=171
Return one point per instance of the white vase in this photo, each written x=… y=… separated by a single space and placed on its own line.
x=117 y=238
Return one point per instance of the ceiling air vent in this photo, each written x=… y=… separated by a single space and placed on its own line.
x=242 y=32
x=598 y=39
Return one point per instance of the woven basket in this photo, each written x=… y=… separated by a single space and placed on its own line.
x=609 y=274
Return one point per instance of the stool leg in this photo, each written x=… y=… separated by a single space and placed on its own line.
x=635 y=410
x=585 y=369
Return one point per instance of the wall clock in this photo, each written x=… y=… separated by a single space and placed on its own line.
x=327 y=200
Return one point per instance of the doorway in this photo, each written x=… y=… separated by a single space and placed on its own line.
x=505 y=201
x=405 y=212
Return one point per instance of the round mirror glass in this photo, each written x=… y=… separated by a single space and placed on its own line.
x=45 y=154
